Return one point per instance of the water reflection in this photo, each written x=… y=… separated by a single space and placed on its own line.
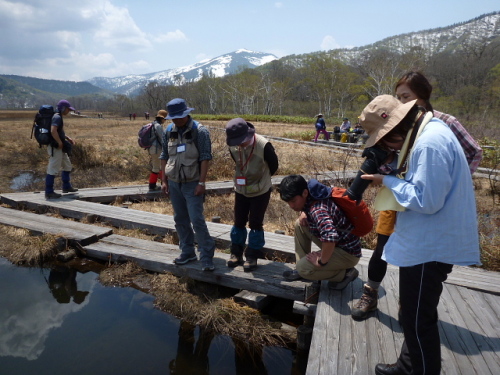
x=62 y=285
x=60 y=321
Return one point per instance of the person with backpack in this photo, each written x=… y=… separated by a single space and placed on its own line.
x=155 y=147
x=433 y=193
x=321 y=127
x=58 y=151
x=255 y=162
x=326 y=225
x=185 y=157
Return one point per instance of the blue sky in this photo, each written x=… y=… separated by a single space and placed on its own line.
x=78 y=40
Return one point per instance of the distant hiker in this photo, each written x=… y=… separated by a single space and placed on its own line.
x=323 y=223
x=156 y=149
x=346 y=125
x=187 y=150
x=321 y=127
x=130 y=116
x=58 y=155
x=133 y=115
x=255 y=163
x=436 y=226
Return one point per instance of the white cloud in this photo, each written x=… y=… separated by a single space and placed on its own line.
x=170 y=37
x=329 y=43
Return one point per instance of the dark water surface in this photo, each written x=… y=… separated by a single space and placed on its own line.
x=66 y=322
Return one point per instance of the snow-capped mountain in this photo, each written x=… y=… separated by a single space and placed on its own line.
x=216 y=67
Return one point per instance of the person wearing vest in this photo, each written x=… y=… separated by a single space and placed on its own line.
x=184 y=159
x=436 y=225
x=255 y=162
x=58 y=153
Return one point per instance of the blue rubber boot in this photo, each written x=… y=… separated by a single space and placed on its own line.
x=66 y=187
x=49 y=187
x=238 y=239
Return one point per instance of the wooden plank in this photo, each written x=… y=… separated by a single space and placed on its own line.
x=158 y=257
x=487 y=338
x=41 y=224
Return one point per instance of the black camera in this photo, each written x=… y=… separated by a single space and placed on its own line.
x=375 y=157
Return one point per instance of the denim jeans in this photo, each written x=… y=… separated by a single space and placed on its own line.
x=189 y=219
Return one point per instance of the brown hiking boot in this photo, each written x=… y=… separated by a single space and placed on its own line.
x=250 y=264
x=368 y=302
x=235 y=260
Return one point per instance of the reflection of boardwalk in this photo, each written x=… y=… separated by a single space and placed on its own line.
x=470 y=304
x=469 y=329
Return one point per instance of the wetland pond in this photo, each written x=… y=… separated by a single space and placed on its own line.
x=62 y=321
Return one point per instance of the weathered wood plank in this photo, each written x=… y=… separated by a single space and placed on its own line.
x=41 y=224
x=158 y=257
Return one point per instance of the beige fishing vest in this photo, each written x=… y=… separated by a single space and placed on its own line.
x=183 y=166
x=256 y=171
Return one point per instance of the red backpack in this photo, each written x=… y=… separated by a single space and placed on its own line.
x=358 y=214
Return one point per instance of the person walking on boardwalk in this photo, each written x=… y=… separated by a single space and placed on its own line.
x=411 y=86
x=321 y=127
x=436 y=221
x=325 y=224
x=255 y=163
x=156 y=148
x=186 y=152
x=59 y=151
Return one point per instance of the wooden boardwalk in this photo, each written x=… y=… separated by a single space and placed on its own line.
x=469 y=326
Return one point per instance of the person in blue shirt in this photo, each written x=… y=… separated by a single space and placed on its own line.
x=436 y=225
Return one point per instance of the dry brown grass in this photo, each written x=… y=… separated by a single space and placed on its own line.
x=21 y=248
x=211 y=307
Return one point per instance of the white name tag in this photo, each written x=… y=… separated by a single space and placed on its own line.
x=181 y=147
x=241 y=181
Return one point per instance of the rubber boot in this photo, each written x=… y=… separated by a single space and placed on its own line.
x=254 y=250
x=66 y=187
x=49 y=187
x=153 y=178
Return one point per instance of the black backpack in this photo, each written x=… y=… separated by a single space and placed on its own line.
x=42 y=124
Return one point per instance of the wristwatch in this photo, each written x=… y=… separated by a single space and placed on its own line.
x=321 y=263
x=201 y=183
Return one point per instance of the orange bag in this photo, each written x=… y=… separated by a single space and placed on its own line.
x=358 y=214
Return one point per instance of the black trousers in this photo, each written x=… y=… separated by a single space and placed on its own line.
x=420 y=288
x=377 y=267
x=251 y=210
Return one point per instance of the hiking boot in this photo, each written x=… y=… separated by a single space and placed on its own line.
x=368 y=302
x=70 y=190
x=184 y=258
x=291 y=275
x=52 y=195
x=235 y=260
x=250 y=264
x=392 y=369
x=350 y=275
x=207 y=265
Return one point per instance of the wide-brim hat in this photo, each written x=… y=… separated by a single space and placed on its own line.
x=162 y=113
x=238 y=131
x=319 y=115
x=382 y=115
x=177 y=108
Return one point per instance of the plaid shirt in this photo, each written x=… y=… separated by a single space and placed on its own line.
x=472 y=150
x=328 y=223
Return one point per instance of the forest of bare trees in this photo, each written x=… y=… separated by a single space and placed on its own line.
x=466 y=83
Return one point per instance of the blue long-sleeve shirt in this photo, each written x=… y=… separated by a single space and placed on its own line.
x=440 y=221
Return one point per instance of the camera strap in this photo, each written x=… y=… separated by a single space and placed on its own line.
x=422 y=119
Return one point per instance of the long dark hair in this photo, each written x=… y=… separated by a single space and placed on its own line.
x=417 y=83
